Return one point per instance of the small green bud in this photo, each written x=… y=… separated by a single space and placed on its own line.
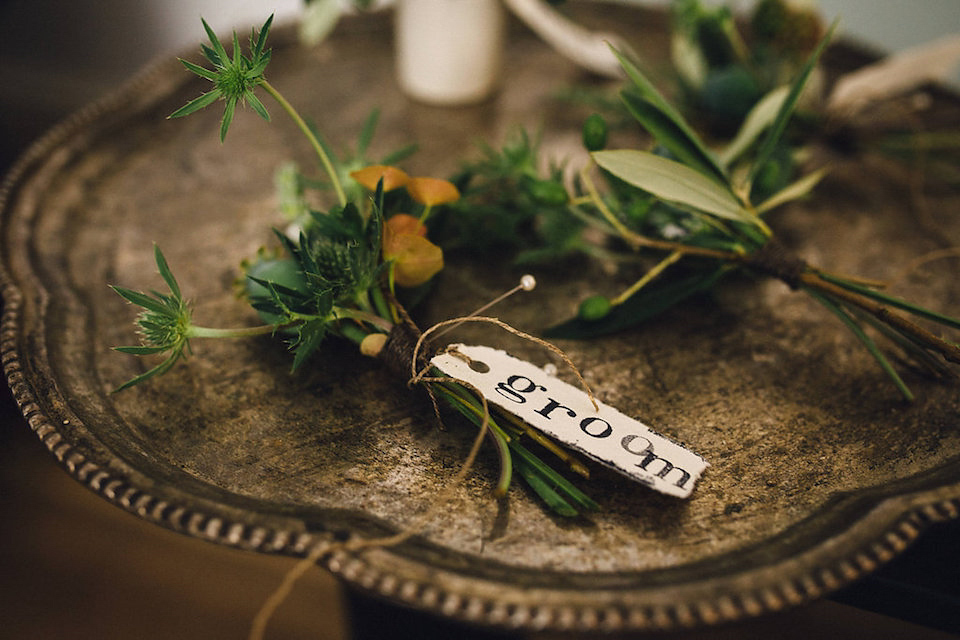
x=769 y=19
x=728 y=94
x=773 y=176
x=549 y=192
x=713 y=35
x=595 y=307
x=637 y=210
x=594 y=132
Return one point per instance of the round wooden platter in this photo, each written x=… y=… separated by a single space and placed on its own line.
x=819 y=471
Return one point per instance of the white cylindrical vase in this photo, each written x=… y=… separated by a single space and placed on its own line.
x=448 y=52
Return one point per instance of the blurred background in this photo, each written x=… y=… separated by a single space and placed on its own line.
x=56 y=55
x=73 y=566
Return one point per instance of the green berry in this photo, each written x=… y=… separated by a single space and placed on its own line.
x=595 y=132
x=595 y=307
x=728 y=94
x=549 y=192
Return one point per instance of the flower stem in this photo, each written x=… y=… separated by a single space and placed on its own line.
x=636 y=240
x=647 y=277
x=811 y=281
x=353 y=333
x=365 y=316
x=467 y=406
x=324 y=158
x=867 y=341
x=241 y=332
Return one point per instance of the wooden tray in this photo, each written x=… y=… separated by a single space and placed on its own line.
x=819 y=471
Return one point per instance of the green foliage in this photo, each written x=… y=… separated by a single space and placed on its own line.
x=333 y=280
x=332 y=267
x=704 y=208
x=722 y=75
x=507 y=207
x=665 y=123
x=674 y=182
x=735 y=233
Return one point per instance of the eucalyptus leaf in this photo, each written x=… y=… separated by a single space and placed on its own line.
x=797 y=189
x=688 y=59
x=685 y=139
x=769 y=144
x=671 y=137
x=674 y=182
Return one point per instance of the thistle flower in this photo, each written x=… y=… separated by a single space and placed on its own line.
x=163 y=325
x=166 y=324
x=234 y=79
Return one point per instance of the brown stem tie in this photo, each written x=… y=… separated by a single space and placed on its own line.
x=397 y=352
x=774 y=259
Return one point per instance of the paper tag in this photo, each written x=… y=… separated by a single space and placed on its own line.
x=566 y=413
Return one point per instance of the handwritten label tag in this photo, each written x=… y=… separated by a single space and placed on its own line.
x=566 y=413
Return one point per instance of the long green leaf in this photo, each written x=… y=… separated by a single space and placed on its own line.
x=650 y=301
x=674 y=182
x=687 y=139
x=769 y=144
x=256 y=47
x=526 y=458
x=215 y=41
x=760 y=117
x=200 y=71
x=910 y=346
x=795 y=190
x=256 y=105
x=546 y=492
x=468 y=407
x=158 y=370
x=893 y=301
x=867 y=341
x=140 y=350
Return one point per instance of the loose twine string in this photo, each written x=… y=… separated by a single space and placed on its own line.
x=419 y=376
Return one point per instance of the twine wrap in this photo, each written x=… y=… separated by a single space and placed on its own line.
x=774 y=259
x=398 y=350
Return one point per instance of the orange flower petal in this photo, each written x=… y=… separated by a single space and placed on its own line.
x=370 y=176
x=404 y=223
x=432 y=191
x=415 y=259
